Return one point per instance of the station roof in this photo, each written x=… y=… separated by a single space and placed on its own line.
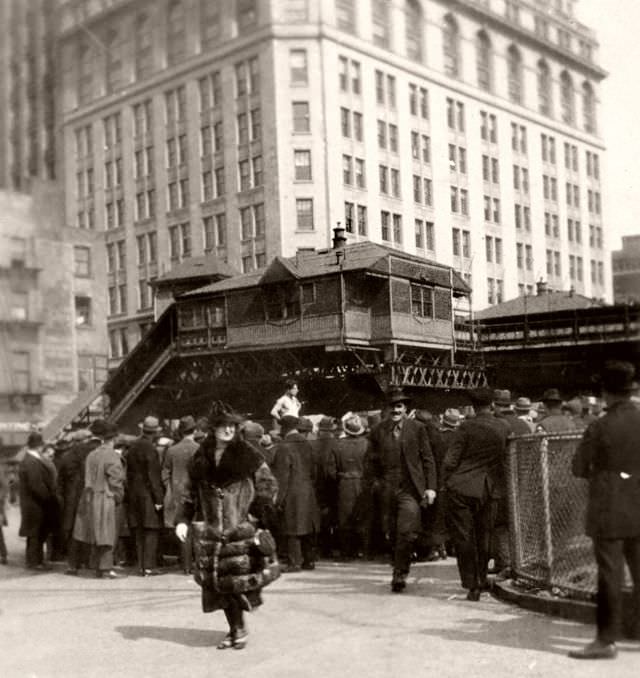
x=546 y=302
x=366 y=256
x=197 y=267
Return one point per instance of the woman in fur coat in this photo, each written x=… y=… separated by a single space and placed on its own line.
x=227 y=487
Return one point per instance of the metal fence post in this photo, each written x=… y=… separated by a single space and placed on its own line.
x=546 y=508
x=515 y=531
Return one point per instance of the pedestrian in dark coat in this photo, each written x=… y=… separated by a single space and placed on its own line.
x=235 y=559
x=175 y=477
x=473 y=475
x=346 y=468
x=400 y=461
x=608 y=458
x=554 y=421
x=38 y=501
x=145 y=495
x=4 y=493
x=323 y=448
x=295 y=470
x=70 y=487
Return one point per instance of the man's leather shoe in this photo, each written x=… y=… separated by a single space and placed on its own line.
x=398 y=585
x=596 y=650
x=308 y=566
x=474 y=595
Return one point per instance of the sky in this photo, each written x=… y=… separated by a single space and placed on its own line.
x=617 y=27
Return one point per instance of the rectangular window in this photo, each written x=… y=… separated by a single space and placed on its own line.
x=345 y=122
x=357 y=126
x=246 y=223
x=426 y=149
x=207 y=185
x=385 y=221
x=427 y=189
x=419 y=226
x=395 y=183
x=244 y=172
x=359 y=173
x=256 y=124
x=141 y=248
x=349 y=209
x=362 y=220
x=455 y=239
x=301 y=119
x=82 y=261
x=298 y=66
x=347 y=170
x=302 y=165
x=256 y=166
x=383 y=172
x=304 y=214
x=422 y=301
x=393 y=138
x=243 y=129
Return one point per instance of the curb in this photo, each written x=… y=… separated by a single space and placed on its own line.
x=575 y=610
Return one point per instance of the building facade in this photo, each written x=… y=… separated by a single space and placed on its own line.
x=464 y=132
x=625 y=265
x=27 y=84
x=52 y=315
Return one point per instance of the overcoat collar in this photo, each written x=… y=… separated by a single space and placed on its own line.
x=238 y=462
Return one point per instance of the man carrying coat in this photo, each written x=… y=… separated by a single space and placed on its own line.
x=400 y=461
x=608 y=458
x=145 y=495
x=473 y=477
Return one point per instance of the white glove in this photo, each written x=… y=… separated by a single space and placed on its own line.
x=182 y=530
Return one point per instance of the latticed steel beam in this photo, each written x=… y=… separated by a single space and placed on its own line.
x=437 y=377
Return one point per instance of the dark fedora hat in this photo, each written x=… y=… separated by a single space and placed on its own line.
x=187 y=425
x=503 y=398
x=481 y=397
x=396 y=395
x=551 y=395
x=618 y=376
x=304 y=425
x=100 y=428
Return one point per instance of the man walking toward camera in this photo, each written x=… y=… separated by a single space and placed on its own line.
x=399 y=460
x=608 y=458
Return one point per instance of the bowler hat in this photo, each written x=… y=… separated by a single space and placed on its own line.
x=481 y=397
x=352 y=425
x=304 y=425
x=618 y=377
x=150 y=424
x=100 y=428
x=187 y=425
x=288 y=422
x=522 y=404
x=503 y=399
x=326 y=424
x=397 y=395
x=451 y=418
x=552 y=395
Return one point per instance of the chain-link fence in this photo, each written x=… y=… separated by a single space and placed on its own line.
x=547 y=505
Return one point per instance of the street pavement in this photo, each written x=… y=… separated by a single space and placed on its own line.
x=335 y=622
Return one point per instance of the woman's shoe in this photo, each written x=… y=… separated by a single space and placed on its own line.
x=226 y=642
x=240 y=641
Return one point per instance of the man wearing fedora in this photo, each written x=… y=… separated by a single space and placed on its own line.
x=145 y=495
x=400 y=462
x=555 y=420
x=608 y=458
x=473 y=476
x=504 y=412
x=174 y=477
x=522 y=408
x=345 y=468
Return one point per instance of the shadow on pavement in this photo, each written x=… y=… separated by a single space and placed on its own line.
x=181 y=636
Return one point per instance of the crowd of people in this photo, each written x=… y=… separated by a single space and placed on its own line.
x=236 y=505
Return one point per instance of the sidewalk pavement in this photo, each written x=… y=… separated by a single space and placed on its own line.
x=339 y=620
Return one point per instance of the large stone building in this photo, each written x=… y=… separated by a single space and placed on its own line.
x=625 y=265
x=52 y=311
x=462 y=131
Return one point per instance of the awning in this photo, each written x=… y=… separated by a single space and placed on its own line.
x=70 y=411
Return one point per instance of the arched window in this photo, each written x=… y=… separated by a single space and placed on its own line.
x=544 y=89
x=381 y=23
x=484 y=61
x=451 y=47
x=143 y=47
x=589 y=108
x=113 y=61
x=514 y=67
x=176 y=32
x=567 y=99
x=413 y=29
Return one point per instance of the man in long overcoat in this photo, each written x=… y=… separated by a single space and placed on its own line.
x=608 y=458
x=295 y=471
x=473 y=476
x=175 y=475
x=400 y=461
x=38 y=501
x=70 y=486
x=96 y=522
x=145 y=495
